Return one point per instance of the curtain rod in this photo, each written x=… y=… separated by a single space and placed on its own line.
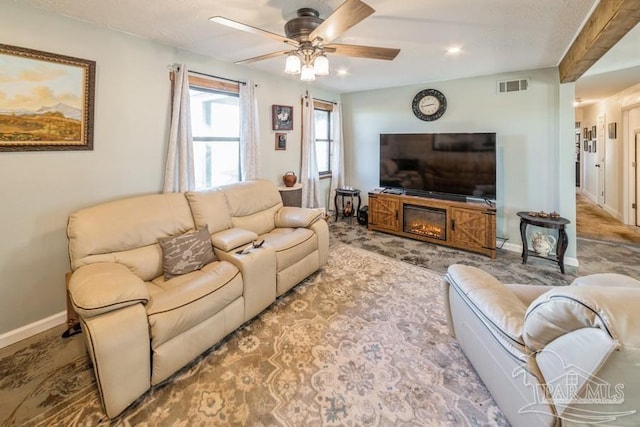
x=318 y=99
x=218 y=77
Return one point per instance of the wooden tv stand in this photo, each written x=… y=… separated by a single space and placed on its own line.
x=469 y=226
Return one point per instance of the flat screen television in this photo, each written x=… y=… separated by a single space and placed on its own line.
x=444 y=165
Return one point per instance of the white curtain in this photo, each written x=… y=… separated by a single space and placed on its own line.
x=179 y=174
x=337 y=151
x=249 y=133
x=309 y=170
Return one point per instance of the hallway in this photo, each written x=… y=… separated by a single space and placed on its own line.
x=593 y=222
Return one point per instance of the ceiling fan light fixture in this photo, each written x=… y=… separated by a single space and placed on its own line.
x=292 y=66
x=321 y=65
x=307 y=74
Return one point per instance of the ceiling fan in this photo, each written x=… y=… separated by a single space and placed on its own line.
x=309 y=39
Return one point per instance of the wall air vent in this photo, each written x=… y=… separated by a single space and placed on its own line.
x=505 y=86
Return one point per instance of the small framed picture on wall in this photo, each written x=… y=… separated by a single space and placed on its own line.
x=281 y=141
x=612 y=130
x=282 y=117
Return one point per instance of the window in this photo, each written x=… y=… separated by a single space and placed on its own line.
x=215 y=127
x=322 y=122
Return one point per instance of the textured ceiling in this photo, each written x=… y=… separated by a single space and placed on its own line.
x=495 y=35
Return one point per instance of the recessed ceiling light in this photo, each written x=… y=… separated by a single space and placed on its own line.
x=455 y=50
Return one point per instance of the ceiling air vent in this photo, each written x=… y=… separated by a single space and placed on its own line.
x=513 y=85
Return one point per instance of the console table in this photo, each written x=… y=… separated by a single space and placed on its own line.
x=554 y=223
x=469 y=226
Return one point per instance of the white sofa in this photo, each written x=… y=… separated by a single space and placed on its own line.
x=141 y=327
x=551 y=355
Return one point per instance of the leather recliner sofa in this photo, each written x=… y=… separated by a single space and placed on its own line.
x=551 y=355
x=141 y=327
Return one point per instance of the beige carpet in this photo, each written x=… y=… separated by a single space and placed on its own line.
x=362 y=342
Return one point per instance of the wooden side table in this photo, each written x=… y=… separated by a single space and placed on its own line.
x=553 y=223
x=291 y=196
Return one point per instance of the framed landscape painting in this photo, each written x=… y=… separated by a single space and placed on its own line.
x=46 y=101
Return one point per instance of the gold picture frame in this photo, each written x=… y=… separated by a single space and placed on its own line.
x=46 y=101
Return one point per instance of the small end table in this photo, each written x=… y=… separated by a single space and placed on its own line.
x=346 y=192
x=554 y=223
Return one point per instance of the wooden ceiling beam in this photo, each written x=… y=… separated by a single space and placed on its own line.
x=608 y=23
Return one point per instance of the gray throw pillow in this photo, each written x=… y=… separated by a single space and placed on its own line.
x=186 y=252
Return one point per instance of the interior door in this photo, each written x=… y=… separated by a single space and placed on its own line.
x=601 y=153
x=636 y=160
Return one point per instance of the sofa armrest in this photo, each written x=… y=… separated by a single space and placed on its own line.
x=295 y=217
x=232 y=238
x=494 y=303
x=99 y=288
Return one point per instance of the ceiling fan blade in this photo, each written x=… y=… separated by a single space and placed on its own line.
x=362 y=51
x=344 y=17
x=263 y=57
x=253 y=30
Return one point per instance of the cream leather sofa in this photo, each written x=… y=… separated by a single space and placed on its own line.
x=551 y=356
x=140 y=328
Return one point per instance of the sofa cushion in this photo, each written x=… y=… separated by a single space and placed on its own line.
x=253 y=205
x=191 y=298
x=291 y=245
x=209 y=208
x=186 y=252
x=114 y=231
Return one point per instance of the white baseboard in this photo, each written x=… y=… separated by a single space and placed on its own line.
x=573 y=262
x=32 y=329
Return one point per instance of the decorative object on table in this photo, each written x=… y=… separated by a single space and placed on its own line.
x=542 y=243
x=543 y=214
x=554 y=215
x=60 y=117
x=348 y=209
x=533 y=213
x=429 y=104
x=281 y=141
x=282 y=117
x=289 y=179
x=612 y=130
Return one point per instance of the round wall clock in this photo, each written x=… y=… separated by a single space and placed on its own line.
x=429 y=104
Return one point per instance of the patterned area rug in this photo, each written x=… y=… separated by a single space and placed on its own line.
x=362 y=342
